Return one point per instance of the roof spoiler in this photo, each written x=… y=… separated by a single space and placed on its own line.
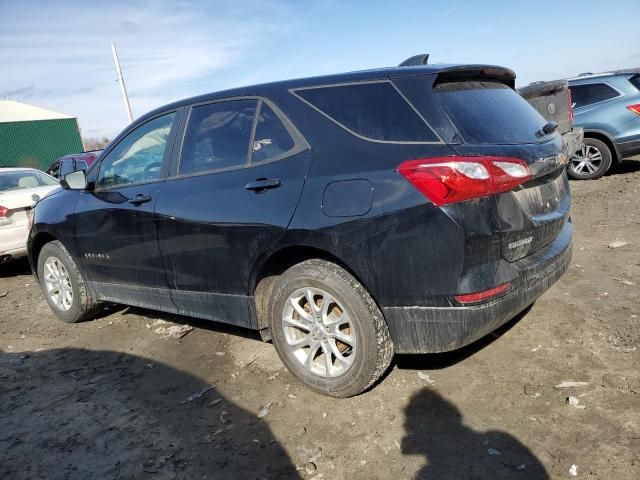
x=502 y=74
x=416 y=60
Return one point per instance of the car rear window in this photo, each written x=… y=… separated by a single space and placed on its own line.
x=590 y=93
x=375 y=111
x=490 y=112
x=18 y=180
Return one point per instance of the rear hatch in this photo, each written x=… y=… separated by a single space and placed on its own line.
x=477 y=112
x=493 y=120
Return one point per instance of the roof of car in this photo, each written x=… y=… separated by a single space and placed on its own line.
x=588 y=76
x=356 y=76
x=17 y=169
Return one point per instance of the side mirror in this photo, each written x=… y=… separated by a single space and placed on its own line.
x=74 y=181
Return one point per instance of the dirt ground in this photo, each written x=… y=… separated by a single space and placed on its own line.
x=118 y=398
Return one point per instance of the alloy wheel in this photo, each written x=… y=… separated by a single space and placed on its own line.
x=586 y=161
x=319 y=332
x=58 y=284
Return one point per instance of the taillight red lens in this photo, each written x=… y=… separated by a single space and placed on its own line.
x=4 y=218
x=484 y=295
x=634 y=108
x=446 y=180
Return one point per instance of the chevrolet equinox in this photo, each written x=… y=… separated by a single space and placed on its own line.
x=347 y=218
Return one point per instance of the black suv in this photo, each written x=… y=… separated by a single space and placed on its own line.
x=346 y=217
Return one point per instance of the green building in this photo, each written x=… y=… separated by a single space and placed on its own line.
x=34 y=137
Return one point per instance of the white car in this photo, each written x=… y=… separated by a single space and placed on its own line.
x=20 y=189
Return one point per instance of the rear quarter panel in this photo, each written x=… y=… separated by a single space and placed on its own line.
x=392 y=248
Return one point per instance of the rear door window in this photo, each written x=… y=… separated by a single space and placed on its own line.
x=217 y=136
x=375 y=111
x=271 y=140
x=590 y=93
x=487 y=111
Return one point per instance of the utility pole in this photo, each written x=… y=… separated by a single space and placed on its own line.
x=125 y=97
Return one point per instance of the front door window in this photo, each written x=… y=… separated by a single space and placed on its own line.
x=138 y=157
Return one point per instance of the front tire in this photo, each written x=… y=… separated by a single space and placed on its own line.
x=62 y=284
x=327 y=329
x=592 y=161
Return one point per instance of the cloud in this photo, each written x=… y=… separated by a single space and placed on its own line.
x=20 y=91
x=168 y=50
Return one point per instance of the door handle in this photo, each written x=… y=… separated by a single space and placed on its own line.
x=139 y=199
x=263 y=184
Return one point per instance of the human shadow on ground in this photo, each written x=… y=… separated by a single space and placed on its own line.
x=434 y=429
x=74 y=413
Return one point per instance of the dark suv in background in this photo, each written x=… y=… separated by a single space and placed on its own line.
x=345 y=217
x=72 y=163
x=607 y=107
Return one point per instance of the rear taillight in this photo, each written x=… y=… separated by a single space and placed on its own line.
x=446 y=180
x=484 y=295
x=634 y=108
x=4 y=218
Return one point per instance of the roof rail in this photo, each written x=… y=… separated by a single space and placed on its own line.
x=421 y=59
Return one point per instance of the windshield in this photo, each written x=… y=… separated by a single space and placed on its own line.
x=490 y=112
x=17 y=180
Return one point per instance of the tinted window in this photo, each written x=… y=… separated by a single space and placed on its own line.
x=218 y=136
x=54 y=169
x=68 y=165
x=18 y=180
x=490 y=112
x=588 y=94
x=271 y=138
x=635 y=81
x=137 y=157
x=374 y=110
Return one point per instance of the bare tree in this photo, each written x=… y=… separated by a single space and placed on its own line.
x=94 y=143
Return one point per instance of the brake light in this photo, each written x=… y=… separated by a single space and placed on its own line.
x=634 y=108
x=4 y=219
x=485 y=295
x=446 y=180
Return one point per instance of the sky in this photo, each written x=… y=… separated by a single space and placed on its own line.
x=57 y=55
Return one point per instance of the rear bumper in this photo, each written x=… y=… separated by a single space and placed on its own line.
x=13 y=240
x=416 y=329
x=573 y=139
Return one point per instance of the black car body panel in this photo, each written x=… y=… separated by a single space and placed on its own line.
x=199 y=243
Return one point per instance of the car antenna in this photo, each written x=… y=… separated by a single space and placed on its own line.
x=421 y=59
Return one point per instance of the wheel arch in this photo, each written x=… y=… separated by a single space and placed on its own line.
x=275 y=264
x=608 y=140
x=39 y=240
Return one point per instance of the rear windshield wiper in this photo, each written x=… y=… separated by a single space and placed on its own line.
x=548 y=128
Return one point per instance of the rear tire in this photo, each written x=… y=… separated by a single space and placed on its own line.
x=62 y=284
x=592 y=161
x=339 y=347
